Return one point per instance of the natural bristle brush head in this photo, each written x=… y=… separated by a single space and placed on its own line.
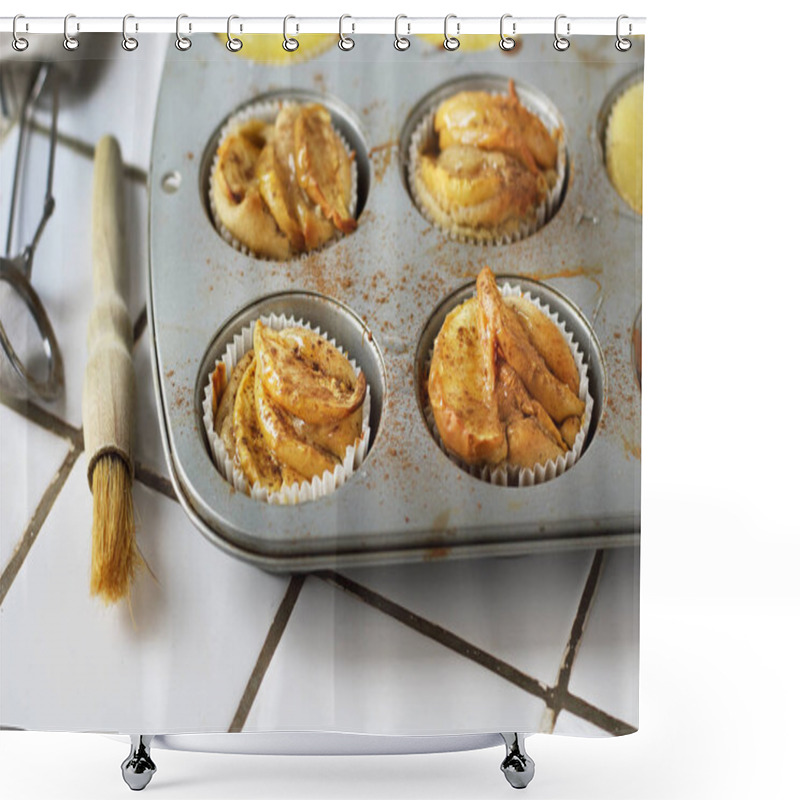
x=115 y=557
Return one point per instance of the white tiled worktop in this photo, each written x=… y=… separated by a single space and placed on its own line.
x=547 y=642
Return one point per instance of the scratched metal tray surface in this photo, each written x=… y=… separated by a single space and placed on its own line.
x=383 y=291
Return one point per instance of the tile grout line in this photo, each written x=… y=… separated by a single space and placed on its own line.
x=573 y=643
x=58 y=427
x=154 y=480
x=438 y=634
x=86 y=150
x=44 y=419
x=274 y=635
x=591 y=713
x=139 y=325
x=571 y=702
x=37 y=520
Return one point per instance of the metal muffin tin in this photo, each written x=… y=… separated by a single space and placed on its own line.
x=379 y=292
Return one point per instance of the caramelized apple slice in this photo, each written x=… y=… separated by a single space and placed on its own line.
x=223 y=419
x=570 y=428
x=252 y=452
x=335 y=437
x=478 y=189
x=545 y=336
x=276 y=190
x=515 y=348
x=465 y=412
x=236 y=195
x=496 y=122
x=513 y=402
x=237 y=157
x=529 y=444
x=320 y=160
x=460 y=176
x=309 y=225
x=307 y=375
x=284 y=441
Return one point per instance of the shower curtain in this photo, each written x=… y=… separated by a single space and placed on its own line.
x=418 y=213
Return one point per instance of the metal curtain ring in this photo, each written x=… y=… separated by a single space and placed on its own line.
x=623 y=45
x=183 y=43
x=506 y=42
x=289 y=44
x=17 y=42
x=400 y=42
x=346 y=42
x=129 y=43
x=233 y=44
x=70 y=42
x=560 y=43
x=451 y=42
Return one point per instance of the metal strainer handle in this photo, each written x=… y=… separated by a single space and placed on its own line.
x=16 y=271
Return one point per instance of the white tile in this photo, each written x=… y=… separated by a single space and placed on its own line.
x=30 y=459
x=571 y=725
x=178 y=663
x=62 y=263
x=342 y=665
x=107 y=90
x=520 y=610
x=606 y=669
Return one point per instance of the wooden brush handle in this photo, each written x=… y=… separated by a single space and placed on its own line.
x=108 y=389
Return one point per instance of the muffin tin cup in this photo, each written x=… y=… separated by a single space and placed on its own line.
x=268 y=112
x=423 y=139
x=601 y=133
x=509 y=475
x=296 y=493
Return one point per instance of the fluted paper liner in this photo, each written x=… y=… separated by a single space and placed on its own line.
x=268 y=112
x=424 y=136
x=296 y=493
x=507 y=475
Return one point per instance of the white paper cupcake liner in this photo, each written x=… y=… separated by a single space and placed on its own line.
x=508 y=475
x=424 y=136
x=268 y=112
x=296 y=493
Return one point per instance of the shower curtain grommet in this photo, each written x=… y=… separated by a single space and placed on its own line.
x=346 y=43
x=233 y=44
x=70 y=42
x=401 y=43
x=622 y=44
x=183 y=43
x=561 y=43
x=19 y=43
x=507 y=42
x=138 y=768
x=290 y=44
x=129 y=43
x=451 y=43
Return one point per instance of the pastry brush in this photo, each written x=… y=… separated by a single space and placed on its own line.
x=108 y=390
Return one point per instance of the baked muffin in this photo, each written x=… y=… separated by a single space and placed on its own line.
x=282 y=184
x=624 y=145
x=486 y=168
x=290 y=411
x=504 y=387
